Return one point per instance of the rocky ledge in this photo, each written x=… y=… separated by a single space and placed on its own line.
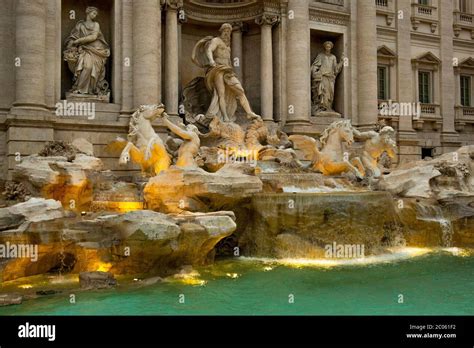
x=435 y=199
x=177 y=190
x=137 y=242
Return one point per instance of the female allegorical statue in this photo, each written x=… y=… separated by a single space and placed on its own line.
x=324 y=71
x=86 y=54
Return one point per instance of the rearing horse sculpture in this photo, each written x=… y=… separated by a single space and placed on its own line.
x=143 y=145
x=331 y=159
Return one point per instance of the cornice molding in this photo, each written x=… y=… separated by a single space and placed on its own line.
x=330 y=17
x=246 y=10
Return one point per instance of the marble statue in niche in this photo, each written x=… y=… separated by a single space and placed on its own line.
x=86 y=55
x=324 y=71
x=222 y=86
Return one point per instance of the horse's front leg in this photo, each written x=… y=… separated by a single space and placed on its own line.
x=149 y=147
x=125 y=155
x=336 y=168
x=353 y=169
x=358 y=164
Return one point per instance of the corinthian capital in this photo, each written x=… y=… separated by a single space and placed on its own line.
x=268 y=19
x=172 y=4
x=236 y=26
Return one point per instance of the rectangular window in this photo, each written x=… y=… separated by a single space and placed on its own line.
x=423 y=2
x=382 y=78
x=466 y=90
x=463 y=6
x=424 y=87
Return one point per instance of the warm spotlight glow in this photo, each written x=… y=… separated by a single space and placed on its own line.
x=191 y=278
x=25 y=286
x=193 y=281
x=121 y=207
x=103 y=267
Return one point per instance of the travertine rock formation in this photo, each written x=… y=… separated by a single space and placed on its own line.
x=138 y=242
x=195 y=190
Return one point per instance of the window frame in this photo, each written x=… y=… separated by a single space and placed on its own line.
x=429 y=87
x=464 y=6
x=386 y=87
x=462 y=88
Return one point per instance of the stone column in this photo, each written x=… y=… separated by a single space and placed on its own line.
x=127 y=57
x=237 y=50
x=449 y=137
x=367 y=63
x=266 y=21
x=7 y=68
x=298 y=86
x=172 y=57
x=30 y=56
x=29 y=123
x=407 y=85
x=146 y=52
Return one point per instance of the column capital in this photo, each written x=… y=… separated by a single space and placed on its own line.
x=268 y=19
x=173 y=5
x=236 y=26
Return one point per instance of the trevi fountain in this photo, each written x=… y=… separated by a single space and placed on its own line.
x=228 y=213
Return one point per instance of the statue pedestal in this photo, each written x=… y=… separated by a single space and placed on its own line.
x=333 y=114
x=321 y=122
x=88 y=98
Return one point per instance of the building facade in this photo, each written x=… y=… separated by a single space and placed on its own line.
x=401 y=56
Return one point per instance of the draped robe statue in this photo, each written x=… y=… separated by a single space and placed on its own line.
x=214 y=55
x=324 y=71
x=86 y=55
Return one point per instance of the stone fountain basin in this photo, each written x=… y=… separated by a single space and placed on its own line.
x=302 y=224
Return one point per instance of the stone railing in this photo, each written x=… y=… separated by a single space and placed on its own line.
x=424 y=13
x=465 y=113
x=463 y=20
x=428 y=109
x=381 y=3
x=332 y=2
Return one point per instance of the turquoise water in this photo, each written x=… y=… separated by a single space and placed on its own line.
x=436 y=283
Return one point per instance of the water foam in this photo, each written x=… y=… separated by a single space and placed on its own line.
x=396 y=254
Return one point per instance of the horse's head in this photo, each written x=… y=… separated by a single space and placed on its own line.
x=150 y=112
x=340 y=129
x=346 y=132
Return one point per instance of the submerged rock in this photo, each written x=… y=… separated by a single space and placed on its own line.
x=10 y=299
x=96 y=280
